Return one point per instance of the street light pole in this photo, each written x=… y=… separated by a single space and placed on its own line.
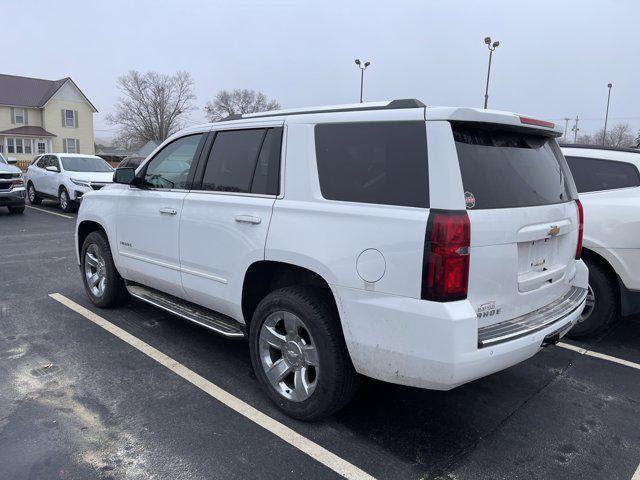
x=491 y=47
x=362 y=68
x=606 y=117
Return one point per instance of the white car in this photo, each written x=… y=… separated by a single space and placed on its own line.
x=420 y=246
x=66 y=177
x=608 y=180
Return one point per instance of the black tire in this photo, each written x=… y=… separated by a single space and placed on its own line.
x=606 y=307
x=115 y=292
x=66 y=204
x=336 y=380
x=34 y=199
x=16 y=210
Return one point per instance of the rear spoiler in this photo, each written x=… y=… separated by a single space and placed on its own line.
x=476 y=115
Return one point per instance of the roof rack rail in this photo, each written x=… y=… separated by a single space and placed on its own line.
x=600 y=147
x=392 y=105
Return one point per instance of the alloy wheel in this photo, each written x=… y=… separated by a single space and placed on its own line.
x=64 y=200
x=95 y=270
x=589 y=305
x=32 y=193
x=289 y=356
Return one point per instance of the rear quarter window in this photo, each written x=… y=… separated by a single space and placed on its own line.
x=508 y=168
x=594 y=175
x=373 y=162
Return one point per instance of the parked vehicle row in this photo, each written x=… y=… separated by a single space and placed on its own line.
x=420 y=246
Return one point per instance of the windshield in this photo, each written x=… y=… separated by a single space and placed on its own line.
x=2 y=160
x=85 y=164
x=506 y=168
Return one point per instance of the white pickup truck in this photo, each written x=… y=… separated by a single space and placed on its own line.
x=608 y=180
x=420 y=246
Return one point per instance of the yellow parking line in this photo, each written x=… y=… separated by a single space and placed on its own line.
x=293 y=438
x=602 y=356
x=47 y=211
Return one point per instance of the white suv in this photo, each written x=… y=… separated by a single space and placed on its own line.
x=66 y=177
x=420 y=246
x=608 y=180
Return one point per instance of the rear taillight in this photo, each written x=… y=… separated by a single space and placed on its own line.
x=445 y=269
x=580 y=229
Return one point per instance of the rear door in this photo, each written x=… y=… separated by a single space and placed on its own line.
x=36 y=172
x=226 y=216
x=50 y=180
x=520 y=199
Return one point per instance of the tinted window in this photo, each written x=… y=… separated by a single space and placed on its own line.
x=266 y=178
x=232 y=160
x=504 y=168
x=374 y=162
x=592 y=175
x=170 y=167
x=42 y=163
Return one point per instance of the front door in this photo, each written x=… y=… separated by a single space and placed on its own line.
x=226 y=216
x=148 y=218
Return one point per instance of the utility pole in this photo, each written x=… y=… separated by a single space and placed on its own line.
x=606 y=117
x=362 y=69
x=566 y=127
x=575 y=129
x=491 y=47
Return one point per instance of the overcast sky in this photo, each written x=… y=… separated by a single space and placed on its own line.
x=554 y=60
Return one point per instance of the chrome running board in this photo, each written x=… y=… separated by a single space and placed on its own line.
x=533 y=321
x=204 y=317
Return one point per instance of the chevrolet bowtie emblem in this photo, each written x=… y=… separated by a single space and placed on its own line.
x=555 y=230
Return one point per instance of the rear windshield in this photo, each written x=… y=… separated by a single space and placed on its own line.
x=505 y=168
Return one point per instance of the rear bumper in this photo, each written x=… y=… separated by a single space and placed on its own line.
x=434 y=345
x=13 y=198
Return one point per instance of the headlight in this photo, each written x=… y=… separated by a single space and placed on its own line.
x=17 y=181
x=82 y=183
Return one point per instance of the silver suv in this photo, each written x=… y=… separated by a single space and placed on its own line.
x=12 y=193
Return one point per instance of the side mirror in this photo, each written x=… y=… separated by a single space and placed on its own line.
x=124 y=175
x=12 y=160
x=51 y=168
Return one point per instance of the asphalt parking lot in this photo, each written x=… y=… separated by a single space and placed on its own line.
x=78 y=402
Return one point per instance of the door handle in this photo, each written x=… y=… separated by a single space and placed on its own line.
x=248 y=219
x=168 y=211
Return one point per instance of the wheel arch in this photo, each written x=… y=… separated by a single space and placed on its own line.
x=265 y=276
x=594 y=257
x=85 y=227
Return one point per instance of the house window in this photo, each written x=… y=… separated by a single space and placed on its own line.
x=28 y=145
x=42 y=146
x=69 y=118
x=18 y=142
x=71 y=145
x=18 y=115
x=11 y=148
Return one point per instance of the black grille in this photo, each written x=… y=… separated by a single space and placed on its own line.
x=6 y=175
x=5 y=185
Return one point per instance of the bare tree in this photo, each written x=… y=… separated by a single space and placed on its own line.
x=237 y=102
x=618 y=136
x=152 y=107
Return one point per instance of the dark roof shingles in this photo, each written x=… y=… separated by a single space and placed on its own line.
x=26 y=91
x=31 y=131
